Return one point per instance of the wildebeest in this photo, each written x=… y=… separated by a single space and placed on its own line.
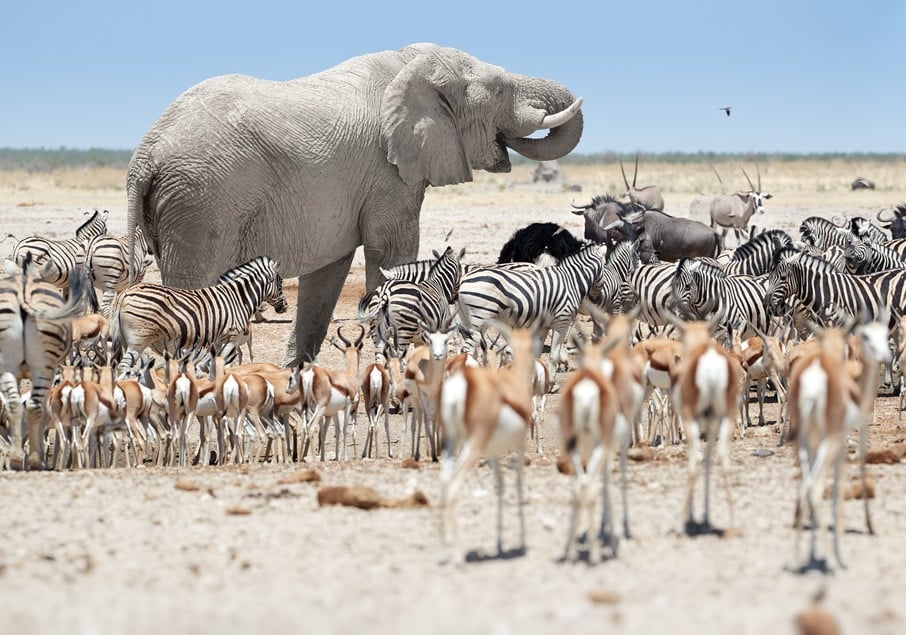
x=862 y=183
x=732 y=210
x=541 y=243
x=895 y=224
x=603 y=219
x=659 y=235
x=648 y=197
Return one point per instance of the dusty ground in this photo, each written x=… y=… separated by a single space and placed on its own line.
x=149 y=549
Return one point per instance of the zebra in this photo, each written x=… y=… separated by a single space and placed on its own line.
x=648 y=288
x=700 y=289
x=756 y=257
x=34 y=335
x=107 y=264
x=406 y=308
x=868 y=256
x=822 y=233
x=168 y=318
x=550 y=296
x=814 y=282
x=60 y=257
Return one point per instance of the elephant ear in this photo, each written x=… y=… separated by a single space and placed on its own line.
x=418 y=126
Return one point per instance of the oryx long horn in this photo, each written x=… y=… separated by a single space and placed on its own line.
x=714 y=169
x=747 y=178
x=635 y=174
x=625 y=180
x=758 y=175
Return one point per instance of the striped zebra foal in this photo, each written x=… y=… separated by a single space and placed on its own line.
x=60 y=257
x=34 y=335
x=701 y=289
x=107 y=262
x=168 y=318
x=549 y=295
x=402 y=306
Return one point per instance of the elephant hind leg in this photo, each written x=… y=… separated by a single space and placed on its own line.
x=318 y=295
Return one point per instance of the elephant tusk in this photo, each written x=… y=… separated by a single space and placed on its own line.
x=560 y=118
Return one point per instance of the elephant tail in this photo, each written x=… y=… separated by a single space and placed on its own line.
x=138 y=184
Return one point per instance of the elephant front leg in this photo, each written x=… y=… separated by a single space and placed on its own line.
x=318 y=295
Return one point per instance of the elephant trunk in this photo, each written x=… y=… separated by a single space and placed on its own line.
x=545 y=104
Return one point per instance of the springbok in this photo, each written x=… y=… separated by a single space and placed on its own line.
x=487 y=411
x=706 y=387
x=830 y=394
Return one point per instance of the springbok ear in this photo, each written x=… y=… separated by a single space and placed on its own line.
x=418 y=127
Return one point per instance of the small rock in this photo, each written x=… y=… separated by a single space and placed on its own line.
x=410 y=464
x=303 y=475
x=601 y=596
x=817 y=621
x=643 y=453
x=187 y=486
x=238 y=511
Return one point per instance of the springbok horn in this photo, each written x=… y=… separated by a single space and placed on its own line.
x=625 y=180
x=361 y=336
x=635 y=174
x=343 y=337
x=333 y=342
x=884 y=220
x=675 y=320
x=560 y=118
x=747 y=178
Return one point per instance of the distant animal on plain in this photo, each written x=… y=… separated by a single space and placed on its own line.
x=862 y=183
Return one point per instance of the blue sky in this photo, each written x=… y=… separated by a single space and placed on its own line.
x=802 y=76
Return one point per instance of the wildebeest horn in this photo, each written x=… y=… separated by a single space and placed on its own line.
x=560 y=118
x=884 y=220
x=841 y=225
x=579 y=209
x=612 y=225
x=747 y=178
x=625 y=180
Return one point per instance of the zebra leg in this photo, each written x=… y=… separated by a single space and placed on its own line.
x=9 y=388
x=320 y=290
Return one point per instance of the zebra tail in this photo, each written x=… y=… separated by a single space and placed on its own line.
x=72 y=308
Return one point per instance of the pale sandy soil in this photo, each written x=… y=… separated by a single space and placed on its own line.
x=126 y=550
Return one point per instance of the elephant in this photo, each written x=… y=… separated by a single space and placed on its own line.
x=304 y=171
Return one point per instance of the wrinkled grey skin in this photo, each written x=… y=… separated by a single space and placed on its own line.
x=307 y=170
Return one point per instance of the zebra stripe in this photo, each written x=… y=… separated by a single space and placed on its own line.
x=821 y=288
x=60 y=257
x=402 y=307
x=648 y=287
x=756 y=257
x=34 y=333
x=863 y=256
x=107 y=264
x=701 y=289
x=550 y=296
x=168 y=318
x=822 y=233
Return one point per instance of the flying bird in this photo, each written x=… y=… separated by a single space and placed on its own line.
x=726 y=109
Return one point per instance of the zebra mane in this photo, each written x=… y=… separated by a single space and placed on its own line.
x=255 y=264
x=791 y=255
x=96 y=225
x=772 y=236
x=813 y=226
x=623 y=250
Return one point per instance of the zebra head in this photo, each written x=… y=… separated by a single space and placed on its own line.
x=780 y=282
x=685 y=289
x=857 y=254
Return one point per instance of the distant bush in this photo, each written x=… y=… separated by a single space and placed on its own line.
x=47 y=159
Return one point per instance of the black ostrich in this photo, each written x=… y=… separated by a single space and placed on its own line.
x=541 y=243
